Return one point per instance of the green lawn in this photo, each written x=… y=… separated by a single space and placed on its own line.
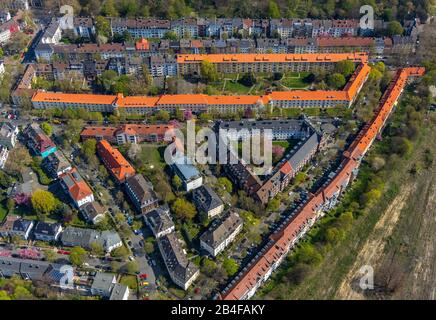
x=129 y=281
x=294 y=80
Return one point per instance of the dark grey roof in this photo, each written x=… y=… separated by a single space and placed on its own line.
x=46 y=229
x=175 y=259
x=78 y=236
x=21 y=225
x=159 y=220
x=221 y=229
x=30 y=269
x=85 y=237
x=142 y=188
x=206 y=199
x=289 y=124
x=302 y=149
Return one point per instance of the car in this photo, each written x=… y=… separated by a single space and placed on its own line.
x=143 y=276
x=145 y=283
x=131 y=258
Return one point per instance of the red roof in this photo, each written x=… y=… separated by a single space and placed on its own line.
x=114 y=161
x=77 y=187
x=282 y=238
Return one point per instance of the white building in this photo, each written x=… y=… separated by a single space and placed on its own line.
x=188 y=173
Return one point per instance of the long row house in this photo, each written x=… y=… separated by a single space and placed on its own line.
x=218 y=103
x=268 y=258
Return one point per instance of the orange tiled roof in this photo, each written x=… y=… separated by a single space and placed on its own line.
x=98 y=131
x=309 y=95
x=76 y=98
x=272 y=57
x=142 y=44
x=114 y=161
x=79 y=189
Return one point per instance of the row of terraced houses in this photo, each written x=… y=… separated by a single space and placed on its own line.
x=296 y=225
x=221 y=103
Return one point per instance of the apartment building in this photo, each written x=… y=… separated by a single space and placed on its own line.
x=182 y=272
x=76 y=187
x=140 y=27
x=47 y=231
x=38 y=141
x=55 y=164
x=274 y=62
x=159 y=221
x=141 y=193
x=221 y=233
x=207 y=201
x=114 y=161
x=187 y=172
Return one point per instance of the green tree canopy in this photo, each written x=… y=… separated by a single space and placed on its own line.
x=208 y=71
x=184 y=209
x=394 y=28
x=273 y=10
x=336 y=80
x=77 y=256
x=44 y=202
x=230 y=266
x=344 y=67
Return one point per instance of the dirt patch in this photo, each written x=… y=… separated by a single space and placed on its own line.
x=373 y=249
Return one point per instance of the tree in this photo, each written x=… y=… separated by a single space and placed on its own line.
x=209 y=266
x=132 y=267
x=102 y=26
x=394 y=28
x=77 y=256
x=120 y=252
x=344 y=67
x=273 y=205
x=273 y=10
x=47 y=128
x=184 y=209
x=177 y=182
x=226 y=184
x=148 y=247
x=109 y=9
x=170 y=35
x=4 y=295
x=208 y=71
x=230 y=266
x=334 y=235
x=89 y=149
x=43 y=202
x=248 y=79
x=163 y=115
x=309 y=254
x=97 y=249
x=18 y=159
x=336 y=80
x=49 y=255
